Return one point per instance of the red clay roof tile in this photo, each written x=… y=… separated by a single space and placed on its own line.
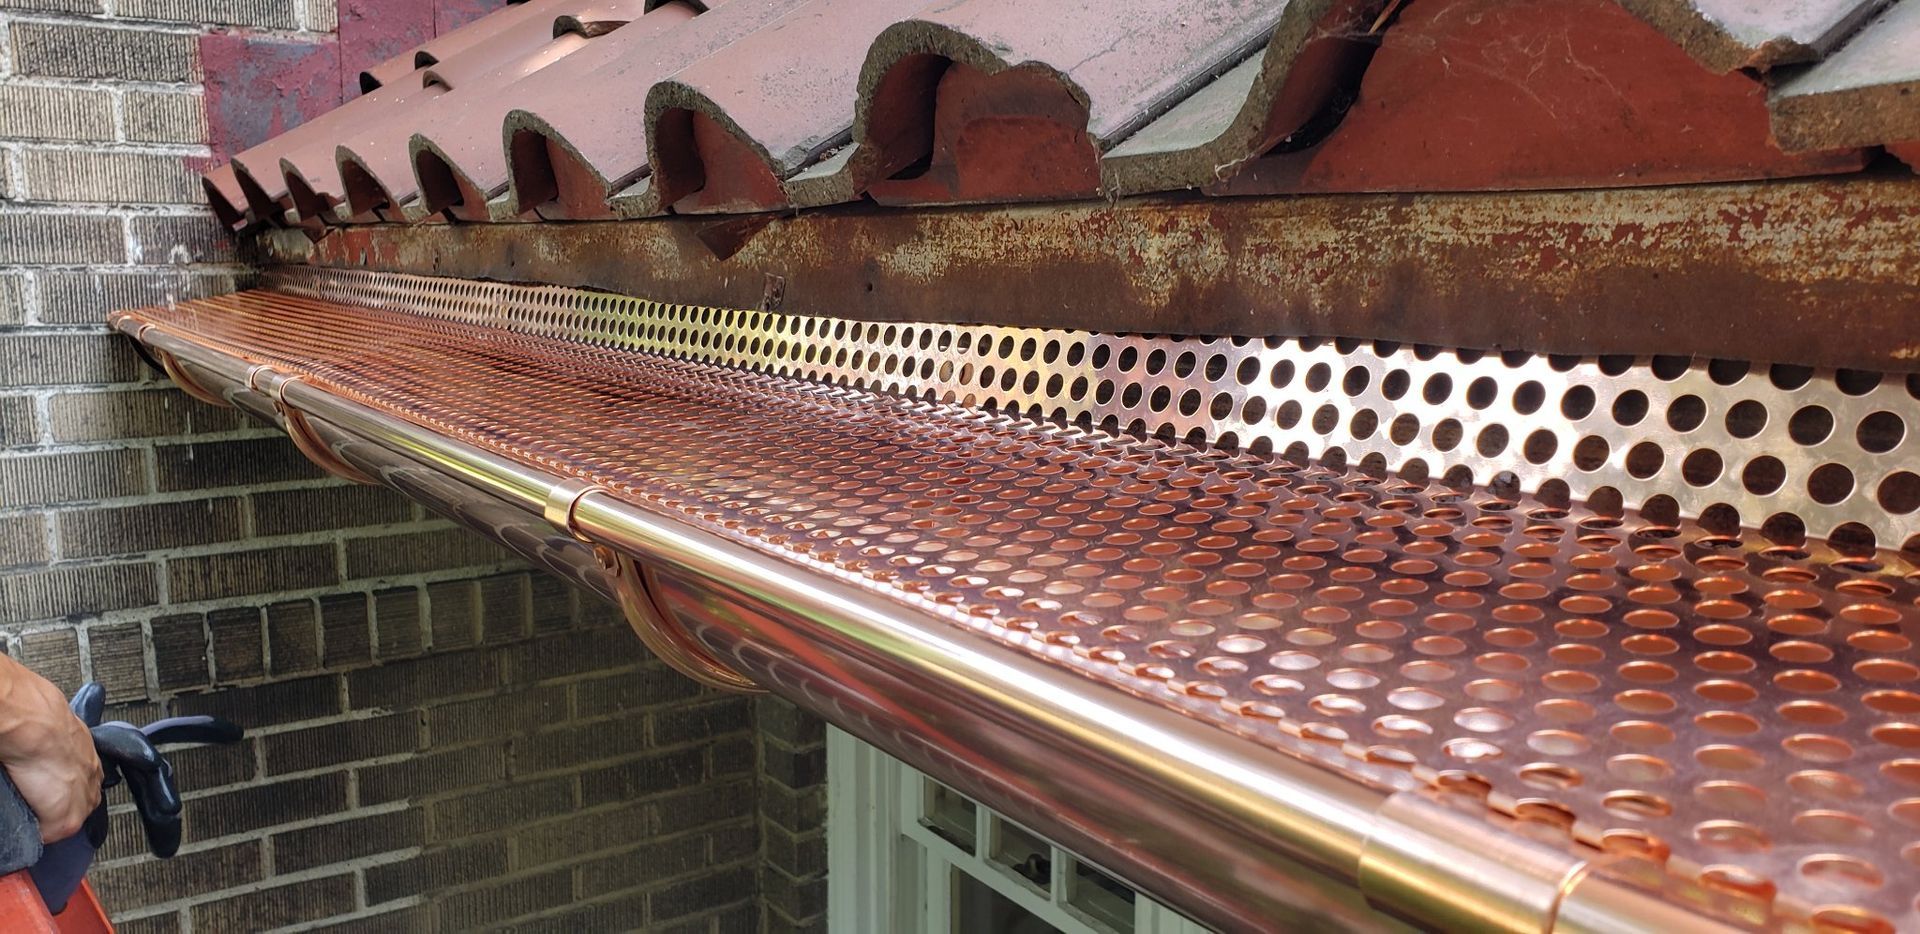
x=570 y=153
x=455 y=157
x=1469 y=95
x=552 y=109
x=473 y=100
x=1000 y=106
x=1317 y=53
x=310 y=146
x=727 y=131
x=516 y=16
x=224 y=196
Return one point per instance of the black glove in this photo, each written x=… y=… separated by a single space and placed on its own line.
x=132 y=754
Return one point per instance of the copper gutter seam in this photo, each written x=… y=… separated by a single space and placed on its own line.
x=1019 y=721
x=164 y=361
x=529 y=536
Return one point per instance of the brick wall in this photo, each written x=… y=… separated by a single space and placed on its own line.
x=440 y=738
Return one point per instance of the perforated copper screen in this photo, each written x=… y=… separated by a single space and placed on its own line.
x=1787 y=448
x=1751 y=710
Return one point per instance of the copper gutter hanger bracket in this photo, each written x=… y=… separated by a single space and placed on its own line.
x=171 y=366
x=654 y=624
x=270 y=383
x=186 y=382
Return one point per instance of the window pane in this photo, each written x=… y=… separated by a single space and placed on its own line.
x=978 y=909
x=949 y=814
x=1030 y=857
x=1101 y=897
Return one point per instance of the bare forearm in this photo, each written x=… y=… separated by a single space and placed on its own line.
x=46 y=750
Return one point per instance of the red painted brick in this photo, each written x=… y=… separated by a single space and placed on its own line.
x=260 y=86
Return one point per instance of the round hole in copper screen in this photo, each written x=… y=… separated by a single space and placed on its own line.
x=1742 y=648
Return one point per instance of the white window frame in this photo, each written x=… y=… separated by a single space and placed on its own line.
x=887 y=873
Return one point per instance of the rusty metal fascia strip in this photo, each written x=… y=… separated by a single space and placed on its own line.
x=1707 y=270
x=1388 y=845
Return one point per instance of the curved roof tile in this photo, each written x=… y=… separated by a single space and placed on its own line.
x=460 y=131
x=1317 y=47
x=570 y=153
x=554 y=108
x=224 y=196
x=305 y=160
x=726 y=132
x=516 y=17
x=1499 y=95
x=971 y=80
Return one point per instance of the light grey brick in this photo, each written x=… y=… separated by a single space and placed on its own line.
x=174 y=239
x=23 y=540
x=64 y=359
x=72 y=50
x=91 y=415
x=61 y=238
x=274 y=14
x=19 y=426
x=91 y=176
x=55 y=6
x=13 y=297
x=322 y=15
x=70 y=476
x=52 y=113
x=164 y=117
x=76 y=297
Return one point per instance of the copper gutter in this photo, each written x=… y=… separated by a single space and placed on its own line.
x=1239 y=836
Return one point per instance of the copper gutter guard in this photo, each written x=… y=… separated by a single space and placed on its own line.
x=1204 y=669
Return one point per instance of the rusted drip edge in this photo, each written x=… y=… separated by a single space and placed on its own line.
x=1625 y=271
x=996 y=719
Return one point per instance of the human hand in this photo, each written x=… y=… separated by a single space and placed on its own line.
x=47 y=751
